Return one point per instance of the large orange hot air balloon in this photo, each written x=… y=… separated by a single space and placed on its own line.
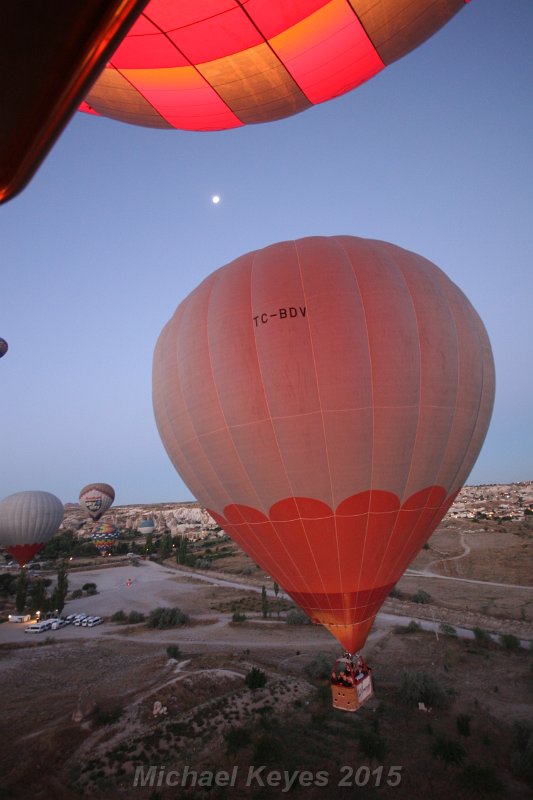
x=326 y=399
x=214 y=64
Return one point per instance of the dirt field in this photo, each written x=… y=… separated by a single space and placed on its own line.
x=78 y=713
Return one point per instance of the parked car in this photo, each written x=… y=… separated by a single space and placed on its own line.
x=94 y=621
x=79 y=619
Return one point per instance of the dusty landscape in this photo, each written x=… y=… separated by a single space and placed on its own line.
x=88 y=711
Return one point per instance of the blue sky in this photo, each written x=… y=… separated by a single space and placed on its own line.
x=117 y=227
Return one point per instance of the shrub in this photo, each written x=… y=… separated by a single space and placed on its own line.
x=394 y=592
x=107 y=717
x=480 y=780
x=463 y=724
x=447 y=630
x=421 y=597
x=419 y=687
x=76 y=593
x=173 y=651
x=267 y=749
x=255 y=679
x=522 y=755
x=135 y=617
x=167 y=618
x=510 y=641
x=372 y=745
x=90 y=588
x=238 y=617
x=119 y=616
x=297 y=617
x=482 y=636
x=236 y=739
x=448 y=750
x=412 y=627
x=319 y=668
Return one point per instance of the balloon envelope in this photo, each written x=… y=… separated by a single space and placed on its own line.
x=325 y=400
x=3 y=347
x=104 y=536
x=27 y=521
x=96 y=498
x=221 y=64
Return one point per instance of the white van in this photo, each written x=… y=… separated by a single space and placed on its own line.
x=94 y=621
x=38 y=627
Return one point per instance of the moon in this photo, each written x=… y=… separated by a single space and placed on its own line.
x=215 y=199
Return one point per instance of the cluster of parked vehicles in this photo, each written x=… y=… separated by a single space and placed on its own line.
x=84 y=620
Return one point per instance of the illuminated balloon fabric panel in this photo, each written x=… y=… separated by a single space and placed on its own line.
x=215 y=64
x=326 y=399
x=27 y=521
x=97 y=498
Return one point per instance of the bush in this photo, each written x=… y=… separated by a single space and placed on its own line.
x=482 y=636
x=236 y=739
x=173 y=651
x=447 y=630
x=372 y=745
x=510 y=641
x=319 y=668
x=167 y=618
x=463 y=724
x=419 y=687
x=394 y=592
x=134 y=617
x=421 y=597
x=238 y=617
x=448 y=750
x=90 y=588
x=255 y=679
x=119 y=616
x=413 y=627
x=267 y=749
x=522 y=756
x=297 y=617
x=76 y=594
x=107 y=717
x=481 y=780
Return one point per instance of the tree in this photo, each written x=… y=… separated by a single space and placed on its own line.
x=165 y=547
x=255 y=679
x=182 y=552
x=149 y=546
x=38 y=600
x=22 y=591
x=264 y=603
x=59 y=595
x=276 y=592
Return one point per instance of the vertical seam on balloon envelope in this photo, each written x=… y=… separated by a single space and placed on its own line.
x=394 y=264
x=479 y=402
x=406 y=547
x=326 y=594
x=186 y=408
x=373 y=415
x=304 y=581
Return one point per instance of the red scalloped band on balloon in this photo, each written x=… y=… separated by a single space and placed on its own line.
x=22 y=553
x=338 y=566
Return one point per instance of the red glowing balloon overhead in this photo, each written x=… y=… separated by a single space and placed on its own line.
x=215 y=64
x=326 y=399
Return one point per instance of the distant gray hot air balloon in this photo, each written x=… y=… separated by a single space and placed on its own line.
x=96 y=498
x=27 y=521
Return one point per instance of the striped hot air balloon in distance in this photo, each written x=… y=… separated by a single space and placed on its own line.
x=325 y=399
x=28 y=520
